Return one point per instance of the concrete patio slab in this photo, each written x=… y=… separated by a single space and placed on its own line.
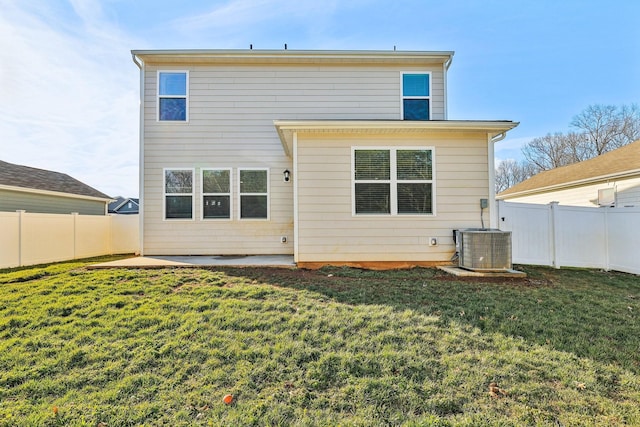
x=200 y=261
x=461 y=272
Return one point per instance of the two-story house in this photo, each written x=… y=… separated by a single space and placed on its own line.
x=335 y=157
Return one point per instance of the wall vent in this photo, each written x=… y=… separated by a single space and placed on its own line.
x=484 y=249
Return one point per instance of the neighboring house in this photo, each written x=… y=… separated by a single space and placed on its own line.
x=124 y=206
x=42 y=191
x=611 y=179
x=335 y=157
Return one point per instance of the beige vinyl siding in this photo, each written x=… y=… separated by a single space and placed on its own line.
x=327 y=229
x=11 y=201
x=230 y=125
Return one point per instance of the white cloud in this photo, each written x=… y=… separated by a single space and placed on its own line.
x=69 y=94
x=261 y=22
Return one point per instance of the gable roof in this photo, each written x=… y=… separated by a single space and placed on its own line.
x=121 y=201
x=619 y=163
x=41 y=180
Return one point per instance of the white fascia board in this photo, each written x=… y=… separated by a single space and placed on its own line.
x=290 y=56
x=286 y=128
x=567 y=185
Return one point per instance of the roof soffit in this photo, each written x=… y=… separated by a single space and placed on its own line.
x=291 y=57
x=286 y=129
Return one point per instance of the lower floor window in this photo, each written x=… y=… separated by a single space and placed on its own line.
x=178 y=193
x=254 y=194
x=393 y=181
x=216 y=194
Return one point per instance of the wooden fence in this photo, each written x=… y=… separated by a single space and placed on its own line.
x=570 y=236
x=35 y=238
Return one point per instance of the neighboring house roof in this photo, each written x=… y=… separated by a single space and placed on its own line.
x=16 y=177
x=620 y=163
x=120 y=202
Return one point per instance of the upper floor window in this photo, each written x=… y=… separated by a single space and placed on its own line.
x=416 y=96
x=172 y=95
x=178 y=194
x=216 y=193
x=393 y=181
x=254 y=194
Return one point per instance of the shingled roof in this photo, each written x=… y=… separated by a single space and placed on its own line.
x=619 y=163
x=44 y=180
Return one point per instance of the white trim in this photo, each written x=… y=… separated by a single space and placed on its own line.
x=240 y=194
x=296 y=231
x=428 y=97
x=192 y=194
x=141 y=182
x=566 y=185
x=444 y=84
x=226 y=56
x=185 y=96
x=493 y=218
x=286 y=128
x=202 y=194
x=393 y=181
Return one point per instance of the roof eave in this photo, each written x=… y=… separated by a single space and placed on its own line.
x=286 y=128
x=566 y=185
x=284 y=56
x=54 y=193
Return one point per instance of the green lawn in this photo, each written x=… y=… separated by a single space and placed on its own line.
x=317 y=348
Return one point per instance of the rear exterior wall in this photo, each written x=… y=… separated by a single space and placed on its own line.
x=328 y=231
x=231 y=114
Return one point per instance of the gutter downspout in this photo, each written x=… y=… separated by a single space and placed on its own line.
x=499 y=137
x=445 y=69
x=140 y=64
x=493 y=219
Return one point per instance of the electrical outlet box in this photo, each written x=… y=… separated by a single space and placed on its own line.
x=484 y=203
x=433 y=241
x=283 y=239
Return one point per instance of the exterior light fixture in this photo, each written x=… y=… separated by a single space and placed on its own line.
x=287 y=175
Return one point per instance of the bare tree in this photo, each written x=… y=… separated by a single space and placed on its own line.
x=599 y=129
x=608 y=127
x=548 y=152
x=510 y=172
x=630 y=119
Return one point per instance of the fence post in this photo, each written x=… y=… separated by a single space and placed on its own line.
x=606 y=238
x=554 y=228
x=75 y=234
x=20 y=235
x=110 y=231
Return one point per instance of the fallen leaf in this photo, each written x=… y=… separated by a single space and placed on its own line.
x=495 y=391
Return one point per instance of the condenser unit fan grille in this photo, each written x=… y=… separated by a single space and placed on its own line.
x=485 y=250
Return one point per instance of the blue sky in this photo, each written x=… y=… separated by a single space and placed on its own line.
x=69 y=90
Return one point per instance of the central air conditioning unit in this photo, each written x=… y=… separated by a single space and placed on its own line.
x=481 y=249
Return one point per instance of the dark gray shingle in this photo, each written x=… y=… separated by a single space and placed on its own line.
x=41 y=179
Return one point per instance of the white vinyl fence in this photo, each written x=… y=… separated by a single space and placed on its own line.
x=35 y=238
x=570 y=236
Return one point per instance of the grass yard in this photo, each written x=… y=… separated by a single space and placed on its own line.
x=331 y=347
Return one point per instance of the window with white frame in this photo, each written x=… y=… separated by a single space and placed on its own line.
x=216 y=193
x=254 y=193
x=416 y=96
x=173 y=96
x=178 y=193
x=393 y=181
